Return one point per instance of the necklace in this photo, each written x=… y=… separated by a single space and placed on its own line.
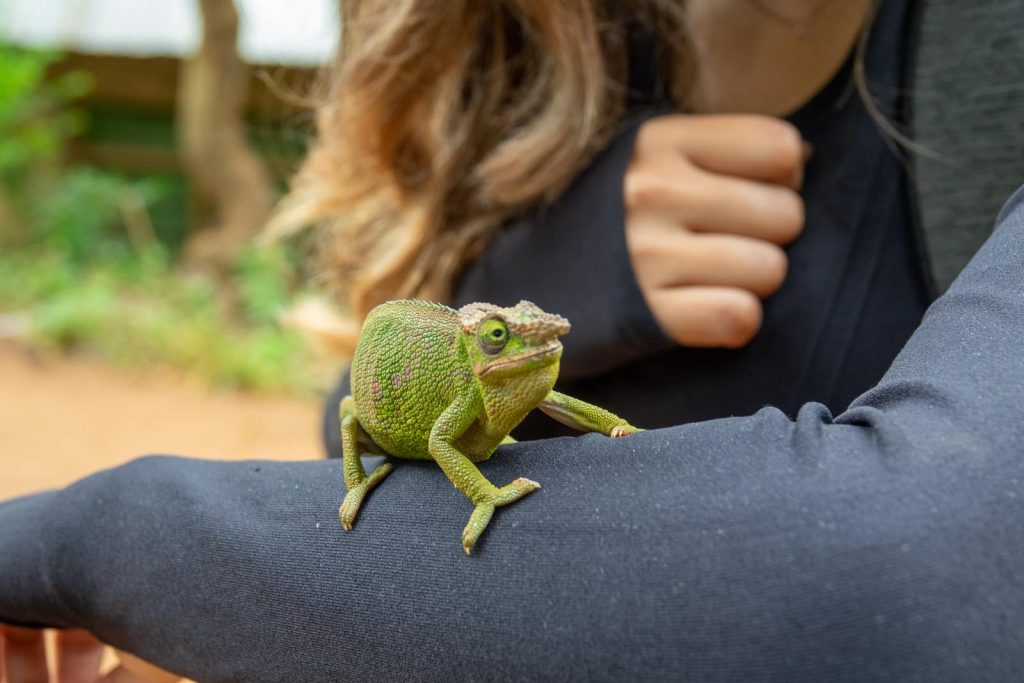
x=801 y=27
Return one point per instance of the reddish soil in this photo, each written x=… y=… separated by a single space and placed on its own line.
x=61 y=419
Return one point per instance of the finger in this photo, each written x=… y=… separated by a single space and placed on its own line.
x=134 y=670
x=24 y=655
x=746 y=207
x=713 y=203
x=122 y=675
x=746 y=145
x=676 y=258
x=707 y=316
x=79 y=655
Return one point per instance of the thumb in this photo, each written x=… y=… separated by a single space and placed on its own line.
x=134 y=670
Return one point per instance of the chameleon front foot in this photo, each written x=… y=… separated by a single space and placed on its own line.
x=485 y=509
x=354 y=498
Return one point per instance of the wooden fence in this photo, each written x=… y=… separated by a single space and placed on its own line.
x=132 y=104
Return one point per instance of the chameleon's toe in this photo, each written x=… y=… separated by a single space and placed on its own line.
x=354 y=498
x=510 y=493
x=350 y=507
x=623 y=430
x=485 y=509
x=477 y=523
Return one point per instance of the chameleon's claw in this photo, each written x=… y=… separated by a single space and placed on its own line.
x=354 y=498
x=484 y=510
x=623 y=430
x=350 y=507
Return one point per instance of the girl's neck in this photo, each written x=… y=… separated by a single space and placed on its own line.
x=770 y=56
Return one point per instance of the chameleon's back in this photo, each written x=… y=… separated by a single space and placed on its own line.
x=408 y=367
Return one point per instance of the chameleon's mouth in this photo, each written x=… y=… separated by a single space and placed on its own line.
x=550 y=350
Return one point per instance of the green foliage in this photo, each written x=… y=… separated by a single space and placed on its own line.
x=92 y=273
x=84 y=214
x=79 y=211
x=263 y=277
x=34 y=119
x=142 y=312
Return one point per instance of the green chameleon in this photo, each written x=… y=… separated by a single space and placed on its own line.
x=433 y=383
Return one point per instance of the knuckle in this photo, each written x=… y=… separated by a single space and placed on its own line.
x=648 y=129
x=641 y=189
x=665 y=312
x=634 y=190
x=740 y=319
x=642 y=242
x=652 y=133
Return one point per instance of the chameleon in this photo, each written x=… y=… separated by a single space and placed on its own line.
x=429 y=382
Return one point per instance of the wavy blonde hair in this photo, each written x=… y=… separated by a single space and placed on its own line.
x=443 y=118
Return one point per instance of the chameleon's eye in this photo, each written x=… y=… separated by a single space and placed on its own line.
x=492 y=336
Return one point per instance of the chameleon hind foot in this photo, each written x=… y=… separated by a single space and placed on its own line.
x=354 y=498
x=481 y=516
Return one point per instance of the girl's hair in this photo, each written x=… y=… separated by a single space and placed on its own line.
x=443 y=118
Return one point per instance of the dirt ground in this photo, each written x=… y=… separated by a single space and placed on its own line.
x=62 y=419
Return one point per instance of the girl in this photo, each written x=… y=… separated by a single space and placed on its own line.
x=509 y=150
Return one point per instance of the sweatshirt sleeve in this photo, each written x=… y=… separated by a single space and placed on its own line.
x=571 y=258
x=881 y=544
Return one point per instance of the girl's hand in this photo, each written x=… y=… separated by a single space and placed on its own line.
x=76 y=658
x=710 y=199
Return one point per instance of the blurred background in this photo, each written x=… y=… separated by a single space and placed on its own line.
x=142 y=145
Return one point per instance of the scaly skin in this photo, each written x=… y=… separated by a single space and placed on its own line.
x=432 y=383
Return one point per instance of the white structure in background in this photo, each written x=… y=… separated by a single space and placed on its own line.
x=294 y=32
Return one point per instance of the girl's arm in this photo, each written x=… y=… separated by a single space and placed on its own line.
x=882 y=543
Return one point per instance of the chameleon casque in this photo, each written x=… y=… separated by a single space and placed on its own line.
x=433 y=383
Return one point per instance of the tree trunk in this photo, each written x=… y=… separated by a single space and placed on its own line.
x=232 y=193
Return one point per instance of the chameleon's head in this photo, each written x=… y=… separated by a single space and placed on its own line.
x=507 y=342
